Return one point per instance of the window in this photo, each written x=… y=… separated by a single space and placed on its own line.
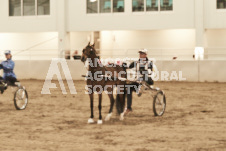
x=118 y=5
x=166 y=5
x=91 y=6
x=152 y=5
x=14 y=7
x=221 y=4
x=104 y=6
x=43 y=7
x=29 y=7
x=138 y=5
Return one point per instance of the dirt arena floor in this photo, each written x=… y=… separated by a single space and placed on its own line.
x=195 y=119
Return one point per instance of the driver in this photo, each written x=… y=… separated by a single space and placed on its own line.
x=143 y=67
x=8 y=66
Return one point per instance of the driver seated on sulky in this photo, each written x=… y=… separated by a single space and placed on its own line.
x=8 y=65
x=143 y=67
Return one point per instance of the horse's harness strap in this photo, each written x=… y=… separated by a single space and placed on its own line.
x=145 y=67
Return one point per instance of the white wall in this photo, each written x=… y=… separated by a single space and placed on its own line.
x=215 y=44
x=27 y=23
x=182 y=16
x=214 y=18
x=76 y=18
x=21 y=41
x=24 y=44
x=179 y=38
x=199 y=24
x=159 y=30
x=159 y=42
x=216 y=38
x=79 y=40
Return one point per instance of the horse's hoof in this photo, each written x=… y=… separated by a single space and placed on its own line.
x=90 y=121
x=121 y=117
x=139 y=94
x=99 y=122
x=108 y=117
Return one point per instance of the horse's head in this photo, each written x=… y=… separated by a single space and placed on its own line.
x=88 y=52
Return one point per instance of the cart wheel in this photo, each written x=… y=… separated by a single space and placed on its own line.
x=159 y=103
x=20 y=98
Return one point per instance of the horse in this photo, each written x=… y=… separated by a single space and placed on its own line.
x=110 y=79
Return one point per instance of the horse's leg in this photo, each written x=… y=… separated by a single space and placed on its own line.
x=90 y=120
x=100 y=107
x=122 y=102
x=108 y=117
x=121 y=94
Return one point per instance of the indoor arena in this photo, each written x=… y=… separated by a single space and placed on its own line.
x=68 y=66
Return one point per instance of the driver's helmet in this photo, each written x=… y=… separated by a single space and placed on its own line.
x=6 y=52
x=143 y=50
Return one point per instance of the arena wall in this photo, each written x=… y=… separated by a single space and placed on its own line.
x=213 y=71
x=193 y=71
x=188 y=69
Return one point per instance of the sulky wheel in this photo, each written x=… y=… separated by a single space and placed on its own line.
x=159 y=103
x=20 y=98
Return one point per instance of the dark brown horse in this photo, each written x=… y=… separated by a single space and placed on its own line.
x=104 y=78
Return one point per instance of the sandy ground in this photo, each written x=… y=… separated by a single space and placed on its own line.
x=195 y=119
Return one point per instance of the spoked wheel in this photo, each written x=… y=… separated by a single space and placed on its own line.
x=20 y=98
x=159 y=103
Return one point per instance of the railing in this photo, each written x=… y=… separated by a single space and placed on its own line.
x=215 y=54
x=158 y=54
x=33 y=54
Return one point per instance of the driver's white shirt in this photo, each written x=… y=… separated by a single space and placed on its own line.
x=134 y=74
